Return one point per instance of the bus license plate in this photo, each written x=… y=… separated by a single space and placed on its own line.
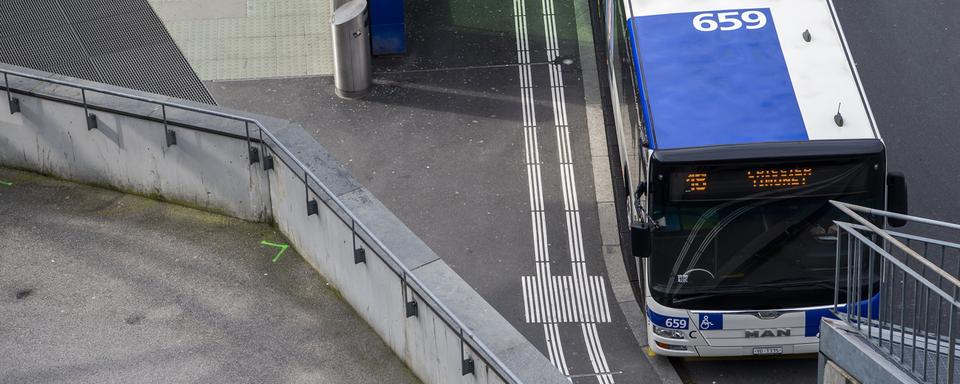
x=762 y=351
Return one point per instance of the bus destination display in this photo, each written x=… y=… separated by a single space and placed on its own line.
x=771 y=178
x=695 y=182
x=712 y=183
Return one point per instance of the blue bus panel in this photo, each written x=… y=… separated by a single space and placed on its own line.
x=705 y=85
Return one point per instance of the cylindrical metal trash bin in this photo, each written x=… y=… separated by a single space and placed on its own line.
x=351 y=49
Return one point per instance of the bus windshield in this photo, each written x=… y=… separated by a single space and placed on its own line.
x=753 y=237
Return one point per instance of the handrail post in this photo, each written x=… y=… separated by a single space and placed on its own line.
x=836 y=279
x=252 y=153
x=467 y=366
x=13 y=102
x=89 y=117
x=170 y=136
x=359 y=254
x=951 y=342
x=312 y=207
x=267 y=157
x=410 y=306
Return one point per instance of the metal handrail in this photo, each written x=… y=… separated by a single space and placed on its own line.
x=877 y=277
x=896 y=234
x=893 y=260
x=479 y=346
x=849 y=210
x=894 y=215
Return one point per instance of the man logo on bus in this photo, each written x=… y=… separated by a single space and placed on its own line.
x=705 y=323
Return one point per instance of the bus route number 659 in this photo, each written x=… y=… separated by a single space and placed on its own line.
x=729 y=21
x=675 y=323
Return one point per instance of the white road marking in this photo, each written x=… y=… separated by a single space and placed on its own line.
x=558 y=298
x=549 y=299
x=536 y=289
x=595 y=352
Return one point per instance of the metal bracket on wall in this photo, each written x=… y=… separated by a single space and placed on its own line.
x=253 y=152
x=13 y=101
x=359 y=254
x=267 y=157
x=254 y=155
x=411 y=304
x=467 y=365
x=267 y=162
x=312 y=207
x=91 y=118
x=170 y=135
x=92 y=122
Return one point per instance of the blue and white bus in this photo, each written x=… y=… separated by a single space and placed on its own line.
x=737 y=122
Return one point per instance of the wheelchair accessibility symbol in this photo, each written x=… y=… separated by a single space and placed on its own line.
x=710 y=321
x=705 y=323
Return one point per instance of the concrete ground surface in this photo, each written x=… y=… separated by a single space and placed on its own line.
x=440 y=141
x=98 y=286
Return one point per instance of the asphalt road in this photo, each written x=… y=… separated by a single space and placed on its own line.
x=441 y=145
x=908 y=57
x=101 y=287
x=440 y=140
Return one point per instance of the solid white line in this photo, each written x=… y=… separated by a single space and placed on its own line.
x=606 y=312
x=543 y=291
x=603 y=357
x=562 y=359
x=551 y=347
x=524 y=280
x=591 y=352
x=598 y=297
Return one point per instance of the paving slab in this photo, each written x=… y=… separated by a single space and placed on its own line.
x=98 y=286
x=247 y=39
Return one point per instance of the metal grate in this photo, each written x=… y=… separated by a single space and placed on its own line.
x=119 y=42
x=20 y=16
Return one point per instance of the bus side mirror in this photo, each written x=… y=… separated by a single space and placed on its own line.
x=896 y=197
x=641 y=238
x=641 y=190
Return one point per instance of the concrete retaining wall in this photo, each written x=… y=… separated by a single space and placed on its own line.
x=845 y=355
x=212 y=171
x=130 y=154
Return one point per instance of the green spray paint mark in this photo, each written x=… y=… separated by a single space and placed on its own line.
x=283 y=247
x=6 y=183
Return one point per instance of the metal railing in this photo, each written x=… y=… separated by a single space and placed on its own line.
x=895 y=290
x=260 y=141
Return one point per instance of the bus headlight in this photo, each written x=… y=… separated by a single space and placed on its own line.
x=667 y=332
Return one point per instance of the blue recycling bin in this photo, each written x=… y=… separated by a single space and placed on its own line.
x=387 y=35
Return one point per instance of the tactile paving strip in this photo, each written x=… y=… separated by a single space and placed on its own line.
x=119 y=42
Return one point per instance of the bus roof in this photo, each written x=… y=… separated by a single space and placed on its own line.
x=717 y=72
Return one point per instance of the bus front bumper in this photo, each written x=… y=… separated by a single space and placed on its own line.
x=681 y=348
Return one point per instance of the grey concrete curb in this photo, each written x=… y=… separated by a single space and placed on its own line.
x=606 y=206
